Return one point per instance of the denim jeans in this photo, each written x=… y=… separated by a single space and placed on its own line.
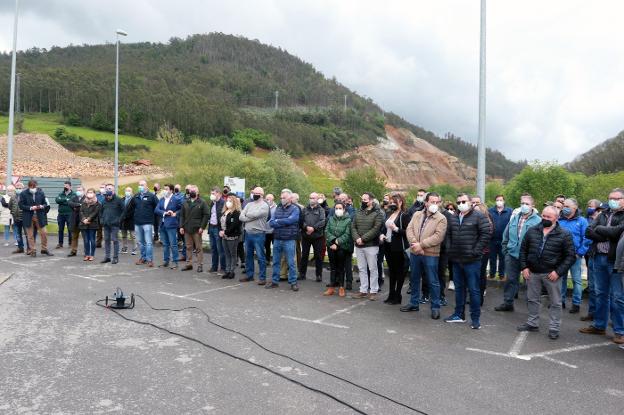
x=427 y=265
x=17 y=234
x=512 y=284
x=591 y=301
x=467 y=275
x=216 y=249
x=577 y=293
x=63 y=220
x=7 y=233
x=169 y=239
x=254 y=242
x=111 y=233
x=144 y=235
x=286 y=248
x=88 y=236
x=608 y=288
x=497 y=258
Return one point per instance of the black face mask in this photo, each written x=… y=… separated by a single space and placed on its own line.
x=155 y=189
x=256 y=197
x=393 y=208
x=546 y=223
x=225 y=191
x=187 y=191
x=176 y=190
x=193 y=195
x=67 y=189
x=364 y=205
x=385 y=202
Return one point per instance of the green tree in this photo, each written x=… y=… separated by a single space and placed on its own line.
x=364 y=179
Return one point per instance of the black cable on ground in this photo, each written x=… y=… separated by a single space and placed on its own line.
x=192 y=339
x=284 y=355
x=9 y=277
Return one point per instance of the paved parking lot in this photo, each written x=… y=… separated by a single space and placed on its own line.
x=60 y=353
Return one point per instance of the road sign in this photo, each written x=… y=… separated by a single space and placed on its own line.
x=236 y=184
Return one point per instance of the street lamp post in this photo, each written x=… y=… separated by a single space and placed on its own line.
x=9 y=169
x=118 y=33
x=481 y=142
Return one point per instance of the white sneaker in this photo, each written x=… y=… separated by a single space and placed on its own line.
x=6 y=244
x=451 y=286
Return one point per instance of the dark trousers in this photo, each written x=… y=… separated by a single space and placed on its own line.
x=496 y=258
x=317 y=244
x=268 y=241
x=98 y=238
x=483 y=276
x=18 y=231
x=157 y=220
x=443 y=267
x=396 y=269
x=63 y=220
x=338 y=266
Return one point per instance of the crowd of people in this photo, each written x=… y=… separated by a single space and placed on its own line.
x=425 y=242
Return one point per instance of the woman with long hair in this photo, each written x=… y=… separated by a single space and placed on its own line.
x=394 y=239
x=89 y=222
x=230 y=229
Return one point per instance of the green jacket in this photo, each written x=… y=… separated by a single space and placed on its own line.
x=194 y=215
x=14 y=208
x=62 y=200
x=339 y=229
x=367 y=225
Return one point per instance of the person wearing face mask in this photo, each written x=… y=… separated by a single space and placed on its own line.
x=167 y=210
x=340 y=246
x=268 y=237
x=11 y=202
x=157 y=219
x=593 y=210
x=571 y=220
x=111 y=211
x=605 y=232
x=6 y=218
x=547 y=252
x=312 y=236
x=230 y=229
x=365 y=231
x=469 y=236
x=141 y=208
x=127 y=224
x=194 y=217
x=75 y=203
x=419 y=203
x=500 y=215
x=285 y=224
x=425 y=233
x=254 y=217
x=216 y=244
x=90 y=223
x=100 y=233
x=64 y=214
x=394 y=241
x=35 y=207
x=513 y=235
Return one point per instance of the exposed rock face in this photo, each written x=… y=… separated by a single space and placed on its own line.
x=405 y=160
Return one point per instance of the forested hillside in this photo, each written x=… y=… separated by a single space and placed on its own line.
x=208 y=87
x=606 y=157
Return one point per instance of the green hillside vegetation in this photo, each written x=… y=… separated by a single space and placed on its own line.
x=606 y=157
x=208 y=87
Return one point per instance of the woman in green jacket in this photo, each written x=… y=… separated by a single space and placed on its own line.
x=339 y=247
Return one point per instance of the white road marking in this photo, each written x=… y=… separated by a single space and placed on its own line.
x=518 y=343
x=85 y=277
x=550 y=359
x=211 y=290
x=178 y=296
x=569 y=349
x=321 y=320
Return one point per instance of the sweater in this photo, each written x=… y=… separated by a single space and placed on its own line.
x=255 y=216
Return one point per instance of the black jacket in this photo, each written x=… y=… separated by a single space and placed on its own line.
x=75 y=203
x=557 y=254
x=467 y=241
x=127 y=217
x=416 y=207
x=111 y=211
x=233 y=225
x=194 y=215
x=314 y=217
x=91 y=212
x=598 y=231
x=399 y=238
x=219 y=210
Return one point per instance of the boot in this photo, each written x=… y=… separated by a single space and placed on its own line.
x=329 y=291
x=18 y=251
x=575 y=309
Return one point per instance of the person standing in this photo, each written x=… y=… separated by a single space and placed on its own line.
x=268 y=236
x=75 y=203
x=254 y=217
x=11 y=202
x=419 y=203
x=230 y=229
x=142 y=207
x=500 y=215
x=593 y=210
x=312 y=236
x=35 y=206
x=64 y=214
x=547 y=253
x=110 y=215
x=157 y=219
x=285 y=224
x=194 y=217
x=216 y=244
x=426 y=233
x=573 y=222
x=469 y=235
x=605 y=232
x=394 y=239
x=513 y=235
x=339 y=248
x=127 y=224
x=365 y=230
x=167 y=210
x=100 y=199
x=90 y=223
x=481 y=207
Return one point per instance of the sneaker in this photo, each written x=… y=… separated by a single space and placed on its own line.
x=341 y=292
x=475 y=325
x=527 y=327
x=329 y=291
x=200 y=268
x=59 y=246
x=133 y=252
x=504 y=307
x=174 y=266
x=294 y=287
x=435 y=314
x=359 y=295
x=271 y=285
x=408 y=308
x=618 y=339
x=124 y=250
x=454 y=319
x=372 y=297
x=443 y=302
x=553 y=335
x=592 y=330
x=424 y=300
x=451 y=286
x=164 y=265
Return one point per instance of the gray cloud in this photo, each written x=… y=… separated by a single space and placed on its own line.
x=554 y=68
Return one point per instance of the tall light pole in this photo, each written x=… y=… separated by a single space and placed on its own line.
x=118 y=33
x=481 y=142
x=9 y=169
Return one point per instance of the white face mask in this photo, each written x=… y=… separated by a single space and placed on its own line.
x=33 y=191
x=320 y=201
x=339 y=212
x=433 y=208
x=420 y=199
x=128 y=194
x=229 y=204
x=500 y=203
x=213 y=197
x=102 y=190
x=464 y=207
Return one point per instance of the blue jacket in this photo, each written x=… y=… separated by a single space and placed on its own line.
x=169 y=222
x=143 y=206
x=577 y=227
x=27 y=200
x=511 y=241
x=500 y=220
x=285 y=222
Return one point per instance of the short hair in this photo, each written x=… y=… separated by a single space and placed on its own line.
x=67 y=182
x=551 y=208
x=572 y=200
x=461 y=194
x=32 y=182
x=595 y=202
x=432 y=194
x=497 y=196
x=527 y=196
x=618 y=190
x=369 y=194
x=560 y=196
x=339 y=203
x=287 y=191
x=421 y=190
x=170 y=186
x=216 y=189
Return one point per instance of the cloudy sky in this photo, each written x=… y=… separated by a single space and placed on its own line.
x=555 y=68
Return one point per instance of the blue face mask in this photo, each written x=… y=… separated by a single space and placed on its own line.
x=566 y=211
x=78 y=193
x=591 y=211
x=614 y=204
x=525 y=209
x=141 y=189
x=109 y=193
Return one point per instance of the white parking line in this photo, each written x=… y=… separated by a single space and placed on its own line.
x=178 y=296
x=190 y=296
x=321 y=320
x=85 y=277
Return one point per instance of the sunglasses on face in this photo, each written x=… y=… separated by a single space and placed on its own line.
x=462 y=202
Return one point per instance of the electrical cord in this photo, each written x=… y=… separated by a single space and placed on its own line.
x=284 y=355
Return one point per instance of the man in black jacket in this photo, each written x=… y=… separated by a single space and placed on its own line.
x=469 y=233
x=110 y=216
x=74 y=203
x=547 y=253
x=312 y=236
x=35 y=207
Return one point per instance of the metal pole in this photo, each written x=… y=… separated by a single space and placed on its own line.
x=276 y=100
x=9 y=169
x=345 y=102
x=116 y=173
x=481 y=143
